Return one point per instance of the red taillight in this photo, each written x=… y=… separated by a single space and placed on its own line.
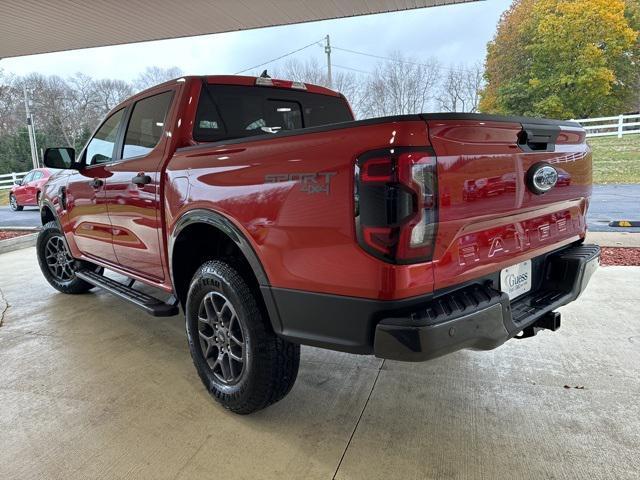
x=396 y=203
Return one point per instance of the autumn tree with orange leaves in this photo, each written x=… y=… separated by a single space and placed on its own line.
x=564 y=59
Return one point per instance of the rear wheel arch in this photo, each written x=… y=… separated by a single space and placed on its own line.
x=203 y=235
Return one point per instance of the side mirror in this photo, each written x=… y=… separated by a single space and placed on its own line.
x=62 y=158
x=18 y=182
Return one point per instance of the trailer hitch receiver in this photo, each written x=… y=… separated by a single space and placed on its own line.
x=549 y=321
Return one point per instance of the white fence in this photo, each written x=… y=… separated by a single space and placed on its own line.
x=8 y=179
x=604 y=126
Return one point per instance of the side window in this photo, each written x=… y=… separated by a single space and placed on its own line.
x=146 y=125
x=27 y=178
x=100 y=148
x=37 y=176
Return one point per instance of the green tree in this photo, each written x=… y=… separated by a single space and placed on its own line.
x=564 y=59
x=15 y=152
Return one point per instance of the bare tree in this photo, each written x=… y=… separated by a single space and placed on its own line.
x=460 y=89
x=349 y=84
x=53 y=106
x=400 y=86
x=65 y=111
x=111 y=92
x=310 y=71
x=155 y=75
x=9 y=98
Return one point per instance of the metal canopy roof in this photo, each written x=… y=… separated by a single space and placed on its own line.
x=28 y=27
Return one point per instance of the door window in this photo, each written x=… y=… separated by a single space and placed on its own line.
x=37 y=176
x=146 y=125
x=100 y=148
x=27 y=178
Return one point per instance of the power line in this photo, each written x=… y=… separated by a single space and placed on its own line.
x=356 y=52
x=397 y=60
x=352 y=69
x=280 y=57
x=380 y=56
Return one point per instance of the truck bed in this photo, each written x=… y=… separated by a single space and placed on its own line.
x=486 y=216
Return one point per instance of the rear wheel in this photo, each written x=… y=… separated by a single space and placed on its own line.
x=243 y=364
x=57 y=264
x=13 y=203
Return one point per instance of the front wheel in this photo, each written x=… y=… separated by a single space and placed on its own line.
x=57 y=264
x=243 y=364
x=13 y=203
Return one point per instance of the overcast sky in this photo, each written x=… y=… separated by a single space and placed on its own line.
x=455 y=34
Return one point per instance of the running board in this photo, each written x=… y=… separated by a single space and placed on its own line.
x=151 y=305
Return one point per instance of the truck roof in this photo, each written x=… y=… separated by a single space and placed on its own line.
x=249 y=82
x=281 y=83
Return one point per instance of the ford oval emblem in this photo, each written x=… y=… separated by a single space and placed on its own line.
x=541 y=178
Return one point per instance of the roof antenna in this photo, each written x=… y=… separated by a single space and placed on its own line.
x=264 y=75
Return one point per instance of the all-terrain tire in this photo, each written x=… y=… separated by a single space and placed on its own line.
x=270 y=363
x=67 y=282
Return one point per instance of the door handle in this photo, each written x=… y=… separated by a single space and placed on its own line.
x=141 y=179
x=97 y=183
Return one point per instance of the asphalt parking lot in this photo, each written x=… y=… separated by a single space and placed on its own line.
x=92 y=388
x=29 y=217
x=613 y=202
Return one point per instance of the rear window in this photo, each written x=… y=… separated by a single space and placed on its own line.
x=236 y=111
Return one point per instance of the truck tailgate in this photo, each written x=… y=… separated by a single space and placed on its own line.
x=489 y=215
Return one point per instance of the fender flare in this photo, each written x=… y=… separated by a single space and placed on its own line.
x=49 y=206
x=226 y=226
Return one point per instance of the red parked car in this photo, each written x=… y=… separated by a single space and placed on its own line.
x=26 y=192
x=273 y=219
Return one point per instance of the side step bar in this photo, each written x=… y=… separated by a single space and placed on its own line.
x=151 y=305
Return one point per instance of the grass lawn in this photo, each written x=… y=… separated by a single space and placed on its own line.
x=4 y=197
x=616 y=160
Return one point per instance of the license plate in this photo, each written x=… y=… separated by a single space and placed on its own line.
x=516 y=279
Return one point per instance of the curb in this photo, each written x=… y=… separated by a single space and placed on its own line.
x=614 y=239
x=17 y=243
x=21 y=229
x=624 y=223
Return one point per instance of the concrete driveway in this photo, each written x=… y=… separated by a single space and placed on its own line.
x=92 y=388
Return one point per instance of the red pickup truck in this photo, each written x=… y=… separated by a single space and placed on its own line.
x=273 y=219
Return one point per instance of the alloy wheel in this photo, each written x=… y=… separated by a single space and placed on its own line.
x=13 y=202
x=222 y=338
x=58 y=258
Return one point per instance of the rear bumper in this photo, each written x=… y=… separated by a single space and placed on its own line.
x=481 y=317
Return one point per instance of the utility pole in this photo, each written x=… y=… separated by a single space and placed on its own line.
x=30 y=130
x=327 y=50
